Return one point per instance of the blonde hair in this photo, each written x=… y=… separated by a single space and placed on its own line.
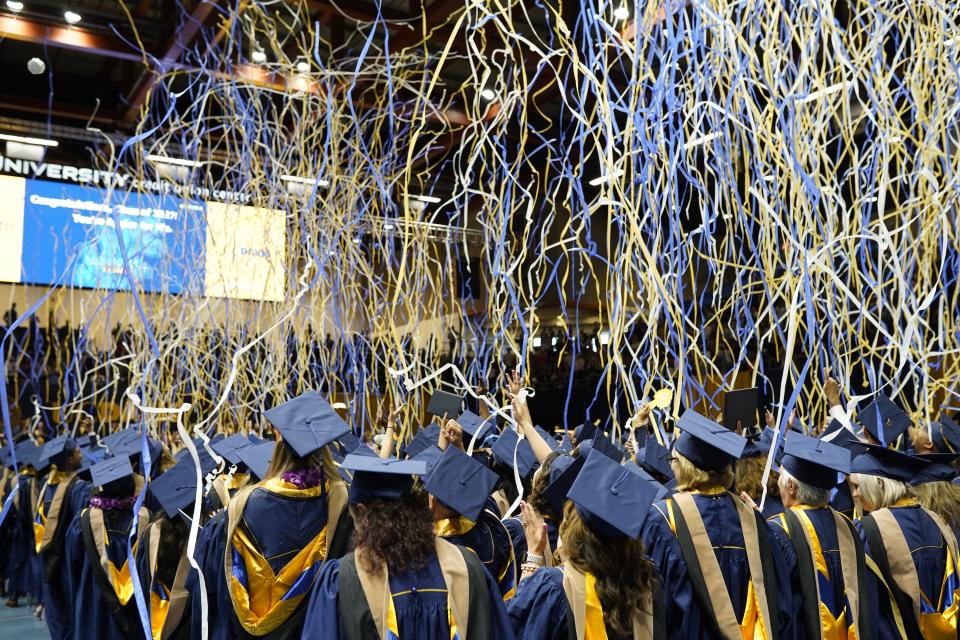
x=690 y=477
x=879 y=492
x=942 y=498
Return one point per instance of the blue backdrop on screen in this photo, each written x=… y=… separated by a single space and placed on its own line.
x=70 y=228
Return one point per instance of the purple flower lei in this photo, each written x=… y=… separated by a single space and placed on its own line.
x=303 y=478
x=112 y=504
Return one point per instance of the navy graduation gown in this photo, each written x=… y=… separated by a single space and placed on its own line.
x=25 y=568
x=722 y=523
x=492 y=543
x=419 y=599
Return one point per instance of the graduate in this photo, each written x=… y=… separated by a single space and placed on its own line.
x=465 y=514
x=911 y=548
x=162 y=563
x=740 y=576
x=402 y=581
x=261 y=554
x=24 y=567
x=98 y=567
x=606 y=587
x=60 y=499
x=838 y=600
x=224 y=487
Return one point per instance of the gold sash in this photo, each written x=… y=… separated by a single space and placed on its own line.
x=50 y=525
x=588 y=613
x=179 y=596
x=376 y=587
x=119 y=578
x=716 y=588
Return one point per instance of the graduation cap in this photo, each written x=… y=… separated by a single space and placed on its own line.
x=813 y=461
x=131 y=448
x=586 y=431
x=27 y=453
x=839 y=435
x=429 y=455
x=884 y=419
x=175 y=489
x=705 y=443
x=655 y=458
x=428 y=435
x=461 y=483
x=307 y=423
x=945 y=434
x=378 y=478
x=934 y=472
x=565 y=445
x=56 y=448
x=612 y=499
x=504 y=447
x=605 y=445
x=207 y=463
x=111 y=470
x=349 y=441
x=662 y=491
x=471 y=424
x=443 y=402
x=877 y=460
x=229 y=447
x=257 y=457
x=563 y=471
x=740 y=406
x=119 y=437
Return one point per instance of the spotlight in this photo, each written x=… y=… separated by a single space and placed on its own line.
x=303 y=66
x=71 y=17
x=14 y=6
x=537 y=341
x=430 y=199
x=258 y=56
x=356 y=241
x=179 y=162
x=388 y=226
x=621 y=13
x=43 y=142
x=305 y=181
x=605 y=336
x=488 y=94
x=596 y=182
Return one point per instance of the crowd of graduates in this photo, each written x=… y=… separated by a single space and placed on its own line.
x=483 y=525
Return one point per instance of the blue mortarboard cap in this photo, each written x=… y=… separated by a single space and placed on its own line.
x=765 y=440
x=612 y=499
x=118 y=437
x=503 y=452
x=945 y=434
x=563 y=471
x=230 y=446
x=349 y=441
x=110 y=470
x=813 y=461
x=27 y=453
x=880 y=461
x=176 y=488
x=461 y=483
x=443 y=402
x=471 y=424
x=662 y=491
x=707 y=444
x=307 y=423
x=5 y=458
x=132 y=448
x=586 y=431
x=565 y=445
x=884 y=419
x=655 y=457
x=934 y=472
x=428 y=435
x=56 y=447
x=430 y=456
x=257 y=457
x=602 y=443
x=207 y=463
x=840 y=436
x=377 y=478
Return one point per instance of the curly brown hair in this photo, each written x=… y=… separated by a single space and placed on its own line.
x=396 y=532
x=541 y=480
x=624 y=576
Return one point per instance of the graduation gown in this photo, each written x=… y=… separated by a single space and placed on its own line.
x=834 y=608
x=542 y=610
x=101 y=587
x=421 y=610
x=260 y=556
x=24 y=568
x=490 y=540
x=772 y=507
x=915 y=555
x=53 y=518
x=168 y=602
x=726 y=582
x=519 y=539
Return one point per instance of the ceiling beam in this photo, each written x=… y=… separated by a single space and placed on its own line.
x=72 y=38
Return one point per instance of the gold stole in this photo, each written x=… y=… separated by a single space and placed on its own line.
x=171 y=610
x=584 y=602
x=453 y=566
x=934 y=626
x=757 y=619
x=119 y=578
x=51 y=519
x=277 y=612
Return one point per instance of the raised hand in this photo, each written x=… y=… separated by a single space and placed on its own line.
x=534 y=529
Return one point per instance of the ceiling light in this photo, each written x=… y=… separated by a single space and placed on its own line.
x=310 y=181
x=596 y=182
x=356 y=241
x=43 y=142
x=604 y=336
x=769 y=178
x=488 y=94
x=303 y=66
x=180 y=162
x=14 y=6
x=258 y=56
x=388 y=226
x=430 y=199
x=621 y=13
x=72 y=17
